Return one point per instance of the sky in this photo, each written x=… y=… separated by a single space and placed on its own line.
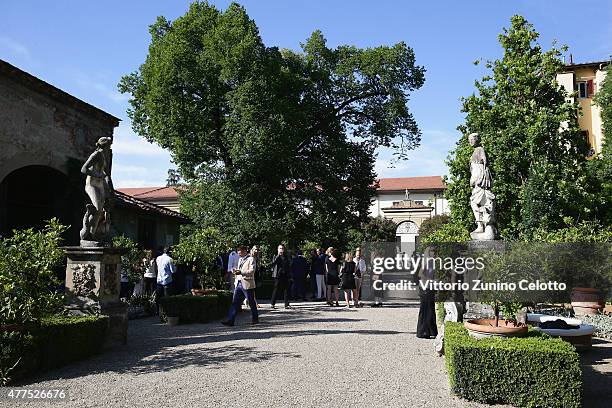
x=85 y=47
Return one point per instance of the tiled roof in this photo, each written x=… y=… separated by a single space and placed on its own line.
x=151 y=193
x=126 y=200
x=586 y=64
x=385 y=184
x=411 y=183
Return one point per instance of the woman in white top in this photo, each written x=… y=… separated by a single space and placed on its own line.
x=150 y=275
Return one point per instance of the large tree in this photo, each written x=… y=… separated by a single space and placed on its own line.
x=530 y=132
x=273 y=144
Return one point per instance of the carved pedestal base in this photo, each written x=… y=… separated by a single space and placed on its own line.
x=93 y=284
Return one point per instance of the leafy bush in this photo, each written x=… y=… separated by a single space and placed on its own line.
x=55 y=341
x=432 y=224
x=195 y=309
x=602 y=323
x=536 y=370
x=200 y=249
x=450 y=232
x=131 y=261
x=28 y=261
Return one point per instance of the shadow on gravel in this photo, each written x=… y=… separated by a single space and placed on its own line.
x=597 y=374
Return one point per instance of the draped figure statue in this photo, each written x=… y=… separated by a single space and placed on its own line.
x=482 y=199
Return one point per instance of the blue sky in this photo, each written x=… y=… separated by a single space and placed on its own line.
x=84 y=47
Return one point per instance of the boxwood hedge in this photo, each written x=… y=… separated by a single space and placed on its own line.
x=50 y=343
x=195 y=309
x=532 y=371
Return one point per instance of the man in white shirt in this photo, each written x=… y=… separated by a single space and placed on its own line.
x=245 y=287
x=165 y=270
x=232 y=264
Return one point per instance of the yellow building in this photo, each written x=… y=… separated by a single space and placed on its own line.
x=586 y=80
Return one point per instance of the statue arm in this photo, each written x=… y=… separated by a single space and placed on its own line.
x=87 y=170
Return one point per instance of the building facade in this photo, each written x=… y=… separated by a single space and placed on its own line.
x=586 y=80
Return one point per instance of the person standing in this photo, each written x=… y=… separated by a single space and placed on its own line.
x=332 y=277
x=298 y=274
x=165 y=271
x=232 y=264
x=280 y=273
x=360 y=270
x=244 y=287
x=319 y=271
x=150 y=275
x=426 y=324
x=347 y=276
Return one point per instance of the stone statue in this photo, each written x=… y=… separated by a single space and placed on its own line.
x=482 y=199
x=99 y=189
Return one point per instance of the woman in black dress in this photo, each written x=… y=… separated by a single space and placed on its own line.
x=332 y=272
x=426 y=325
x=347 y=276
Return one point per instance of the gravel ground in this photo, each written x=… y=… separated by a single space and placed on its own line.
x=309 y=356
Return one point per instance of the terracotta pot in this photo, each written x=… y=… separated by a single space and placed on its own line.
x=15 y=327
x=608 y=309
x=172 y=320
x=486 y=328
x=586 y=301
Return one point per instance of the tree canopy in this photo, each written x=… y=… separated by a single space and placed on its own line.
x=529 y=129
x=272 y=144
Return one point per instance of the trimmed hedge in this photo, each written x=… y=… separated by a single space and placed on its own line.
x=195 y=309
x=532 y=371
x=55 y=341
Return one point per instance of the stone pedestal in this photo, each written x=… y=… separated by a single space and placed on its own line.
x=93 y=283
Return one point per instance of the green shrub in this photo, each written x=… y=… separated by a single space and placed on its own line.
x=28 y=260
x=64 y=339
x=533 y=371
x=195 y=309
x=55 y=341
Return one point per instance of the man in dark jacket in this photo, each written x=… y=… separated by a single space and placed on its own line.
x=281 y=274
x=298 y=273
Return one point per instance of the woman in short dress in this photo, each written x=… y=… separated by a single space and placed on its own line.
x=347 y=276
x=332 y=270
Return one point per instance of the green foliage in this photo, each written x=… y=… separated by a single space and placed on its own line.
x=132 y=258
x=450 y=232
x=273 y=145
x=55 y=341
x=147 y=302
x=199 y=249
x=585 y=231
x=533 y=371
x=603 y=99
x=195 y=309
x=28 y=262
x=379 y=229
x=63 y=339
x=538 y=167
x=431 y=225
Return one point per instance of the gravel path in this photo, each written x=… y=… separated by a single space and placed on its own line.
x=309 y=356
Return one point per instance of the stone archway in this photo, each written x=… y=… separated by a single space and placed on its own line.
x=33 y=194
x=407 y=231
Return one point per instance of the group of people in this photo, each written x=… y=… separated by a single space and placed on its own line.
x=325 y=269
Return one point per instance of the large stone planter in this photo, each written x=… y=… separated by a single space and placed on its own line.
x=481 y=328
x=587 y=301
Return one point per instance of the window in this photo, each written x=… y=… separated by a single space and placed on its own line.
x=585 y=89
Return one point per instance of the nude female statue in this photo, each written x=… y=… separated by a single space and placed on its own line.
x=99 y=188
x=482 y=199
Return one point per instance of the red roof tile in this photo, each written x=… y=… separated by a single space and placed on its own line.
x=151 y=193
x=411 y=183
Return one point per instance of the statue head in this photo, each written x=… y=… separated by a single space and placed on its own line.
x=104 y=142
x=474 y=139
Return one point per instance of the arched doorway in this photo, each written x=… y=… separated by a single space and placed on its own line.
x=31 y=195
x=407 y=231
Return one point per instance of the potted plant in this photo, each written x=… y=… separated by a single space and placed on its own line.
x=510 y=327
x=199 y=250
